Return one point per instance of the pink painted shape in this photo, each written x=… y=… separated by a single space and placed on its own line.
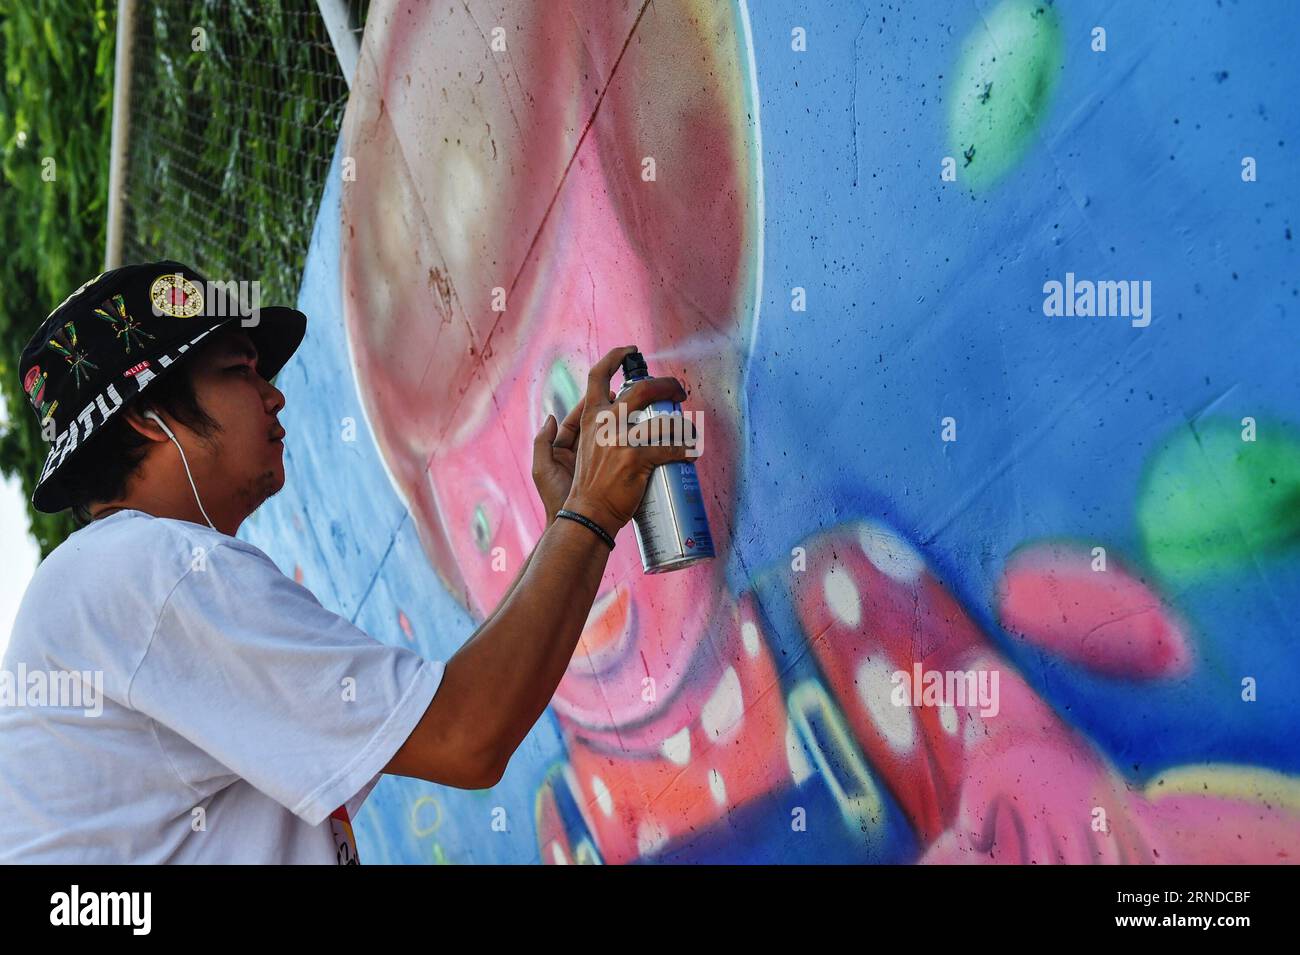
x=1108 y=621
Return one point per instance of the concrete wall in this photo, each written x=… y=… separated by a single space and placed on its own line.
x=929 y=469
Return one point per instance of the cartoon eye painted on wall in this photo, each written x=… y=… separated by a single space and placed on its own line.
x=560 y=391
x=481 y=529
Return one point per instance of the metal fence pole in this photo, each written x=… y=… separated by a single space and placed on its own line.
x=121 y=129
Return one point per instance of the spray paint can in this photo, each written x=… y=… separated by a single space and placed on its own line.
x=672 y=529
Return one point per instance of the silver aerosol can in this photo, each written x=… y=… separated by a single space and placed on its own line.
x=672 y=530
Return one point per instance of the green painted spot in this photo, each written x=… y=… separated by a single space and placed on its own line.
x=1001 y=89
x=481 y=530
x=1211 y=502
x=562 y=391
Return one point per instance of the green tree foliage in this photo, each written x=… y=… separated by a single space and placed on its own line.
x=56 y=103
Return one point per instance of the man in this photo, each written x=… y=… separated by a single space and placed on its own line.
x=197 y=705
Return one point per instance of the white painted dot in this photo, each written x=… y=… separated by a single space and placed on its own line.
x=677 y=748
x=749 y=637
x=876 y=690
x=604 y=798
x=890 y=554
x=722 y=712
x=718 y=787
x=650 y=836
x=842 y=595
x=948 y=719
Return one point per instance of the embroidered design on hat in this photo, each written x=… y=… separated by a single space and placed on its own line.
x=123 y=324
x=65 y=343
x=34 y=385
x=175 y=295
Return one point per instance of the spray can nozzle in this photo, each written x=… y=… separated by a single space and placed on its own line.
x=634 y=366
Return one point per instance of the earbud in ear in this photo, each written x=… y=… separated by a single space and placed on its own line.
x=162 y=424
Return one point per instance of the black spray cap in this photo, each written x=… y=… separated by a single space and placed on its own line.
x=634 y=366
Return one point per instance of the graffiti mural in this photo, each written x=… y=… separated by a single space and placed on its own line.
x=997 y=581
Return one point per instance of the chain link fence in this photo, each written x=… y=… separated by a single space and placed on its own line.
x=235 y=108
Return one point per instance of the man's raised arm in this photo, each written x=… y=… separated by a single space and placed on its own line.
x=496 y=687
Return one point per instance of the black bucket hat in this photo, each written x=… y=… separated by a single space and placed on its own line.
x=116 y=334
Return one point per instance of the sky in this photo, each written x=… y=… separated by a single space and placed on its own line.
x=19 y=554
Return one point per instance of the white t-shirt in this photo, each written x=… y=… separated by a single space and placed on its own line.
x=236 y=714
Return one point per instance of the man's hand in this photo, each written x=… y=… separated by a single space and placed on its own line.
x=554 y=458
x=610 y=479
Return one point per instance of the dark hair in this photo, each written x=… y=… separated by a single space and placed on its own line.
x=102 y=471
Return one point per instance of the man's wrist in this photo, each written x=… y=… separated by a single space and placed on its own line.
x=601 y=516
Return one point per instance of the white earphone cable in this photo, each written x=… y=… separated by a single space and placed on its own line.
x=168 y=432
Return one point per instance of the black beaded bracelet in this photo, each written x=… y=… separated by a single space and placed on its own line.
x=575 y=516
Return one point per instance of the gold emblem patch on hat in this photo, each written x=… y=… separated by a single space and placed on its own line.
x=175 y=295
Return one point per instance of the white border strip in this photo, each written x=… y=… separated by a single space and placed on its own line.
x=338 y=23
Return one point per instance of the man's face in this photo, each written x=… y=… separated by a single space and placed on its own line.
x=244 y=455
